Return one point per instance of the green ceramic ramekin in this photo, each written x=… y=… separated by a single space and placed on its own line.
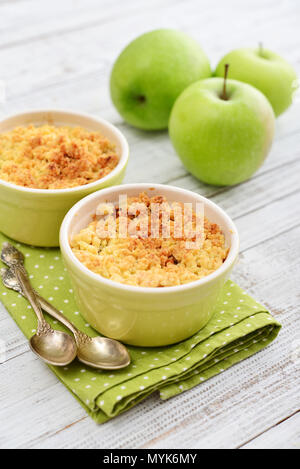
x=34 y=216
x=137 y=315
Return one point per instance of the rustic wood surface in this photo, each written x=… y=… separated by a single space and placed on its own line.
x=59 y=54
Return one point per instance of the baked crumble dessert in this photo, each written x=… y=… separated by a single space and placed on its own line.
x=50 y=157
x=140 y=259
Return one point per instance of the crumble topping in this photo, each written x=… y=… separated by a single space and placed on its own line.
x=50 y=157
x=147 y=261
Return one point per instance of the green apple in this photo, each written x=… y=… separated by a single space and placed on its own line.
x=151 y=72
x=222 y=136
x=265 y=70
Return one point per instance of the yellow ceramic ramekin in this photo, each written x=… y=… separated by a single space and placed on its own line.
x=34 y=216
x=138 y=315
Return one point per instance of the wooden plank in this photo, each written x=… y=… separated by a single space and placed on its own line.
x=28 y=387
x=268 y=222
x=22 y=26
x=84 y=15
x=261 y=191
x=285 y=435
x=89 y=50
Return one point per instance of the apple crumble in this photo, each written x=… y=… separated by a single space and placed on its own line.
x=140 y=259
x=49 y=157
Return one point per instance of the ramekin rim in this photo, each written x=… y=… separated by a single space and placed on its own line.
x=67 y=251
x=120 y=166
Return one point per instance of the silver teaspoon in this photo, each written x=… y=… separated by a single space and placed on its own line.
x=53 y=347
x=97 y=352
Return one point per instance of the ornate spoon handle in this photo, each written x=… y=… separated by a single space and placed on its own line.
x=20 y=272
x=80 y=337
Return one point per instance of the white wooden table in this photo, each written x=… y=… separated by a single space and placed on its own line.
x=58 y=54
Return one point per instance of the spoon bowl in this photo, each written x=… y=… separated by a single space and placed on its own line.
x=55 y=347
x=104 y=353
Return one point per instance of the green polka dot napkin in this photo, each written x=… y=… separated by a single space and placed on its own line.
x=239 y=328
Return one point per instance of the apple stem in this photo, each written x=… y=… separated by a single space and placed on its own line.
x=260 y=47
x=224 y=94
